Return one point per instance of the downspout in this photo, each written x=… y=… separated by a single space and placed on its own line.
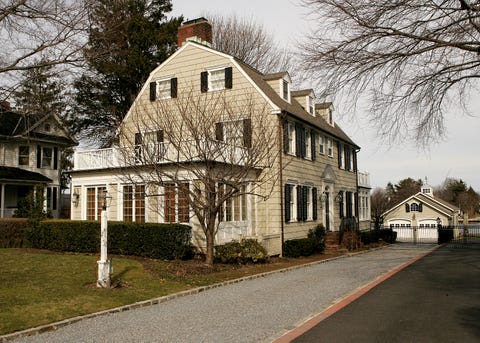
x=282 y=212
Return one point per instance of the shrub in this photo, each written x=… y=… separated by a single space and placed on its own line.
x=161 y=241
x=445 y=234
x=32 y=206
x=368 y=237
x=245 y=251
x=299 y=247
x=388 y=235
x=317 y=234
x=13 y=232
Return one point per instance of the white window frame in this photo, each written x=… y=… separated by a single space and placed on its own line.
x=330 y=147
x=321 y=144
x=308 y=144
x=311 y=104
x=239 y=202
x=309 y=203
x=293 y=203
x=134 y=201
x=164 y=89
x=233 y=132
x=291 y=134
x=216 y=83
x=20 y=156
x=285 y=84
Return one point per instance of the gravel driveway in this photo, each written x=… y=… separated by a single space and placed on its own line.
x=257 y=310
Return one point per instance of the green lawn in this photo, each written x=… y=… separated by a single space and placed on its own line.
x=40 y=287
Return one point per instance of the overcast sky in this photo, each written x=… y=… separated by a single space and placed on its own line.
x=457 y=156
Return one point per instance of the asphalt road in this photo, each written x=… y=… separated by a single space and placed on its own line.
x=436 y=299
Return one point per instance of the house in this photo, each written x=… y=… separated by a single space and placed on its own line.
x=311 y=160
x=418 y=216
x=30 y=154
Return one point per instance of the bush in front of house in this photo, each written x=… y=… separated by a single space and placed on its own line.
x=388 y=235
x=12 y=232
x=160 y=241
x=445 y=234
x=314 y=243
x=241 y=252
x=374 y=236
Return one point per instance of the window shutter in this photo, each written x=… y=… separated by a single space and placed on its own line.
x=299 y=203
x=354 y=154
x=204 y=81
x=39 y=156
x=356 y=204
x=173 y=87
x=228 y=78
x=314 y=203
x=314 y=147
x=304 y=199
x=287 y=202
x=299 y=140
x=420 y=207
x=347 y=158
x=247 y=133
x=304 y=142
x=54 y=198
x=285 y=137
x=340 y=205
x=219 y=131
x=55 y=158
x=339 y=149
x=407 y=208
x=153 y=91
x=160 y=136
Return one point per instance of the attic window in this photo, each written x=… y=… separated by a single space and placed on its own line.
x=47 y=127
x=311 y=105
x=163 y=89
x=330 y=116
x=216 y=79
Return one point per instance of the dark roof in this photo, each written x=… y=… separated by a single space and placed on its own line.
x=17 y=174
x=294 y=108
x=301 y=92
x=272 y=76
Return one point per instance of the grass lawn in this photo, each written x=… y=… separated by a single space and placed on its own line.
x=39 y=287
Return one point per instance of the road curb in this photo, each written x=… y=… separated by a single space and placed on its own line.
x=346 y=300
x=54 y=326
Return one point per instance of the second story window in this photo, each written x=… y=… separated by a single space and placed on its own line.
x=311 y=105
x=47 y=157
x=289 y=138
x=308 y=144
x=321 y=146
x=163 y=89
x=330 y=147
x=285 y=90
x=216 y=79
x=235 y=132
x=23 y=155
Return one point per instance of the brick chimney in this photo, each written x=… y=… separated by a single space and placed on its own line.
x=197 y=30
x=5 y=105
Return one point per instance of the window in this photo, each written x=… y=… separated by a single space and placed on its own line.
x=321 y=141
x=290 y=203
x=234 y=207
x=176 y=208
x=340 y=155
x=290 y=139
x=149 y=147
x=94 y=202
x=330 y=147
x=134 y=203
x=300 y=203
x=308 y=144
x=163 y=89
x=23 y=155
x=285 y=90
x=47 y=157
x=216 y=79
x=414 y=207
x=47 y=127
x=348 y=158
x=330 y=116
x=51 y=200
x=311 y=105
x=235 y=132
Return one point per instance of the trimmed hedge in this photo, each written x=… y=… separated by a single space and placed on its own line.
x=12 y=232
x=161 y=241
x=245 y=251
x=445 y=234
x=373 y=236
x=314 y=243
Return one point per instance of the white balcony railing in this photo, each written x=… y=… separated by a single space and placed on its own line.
x=188 y=151
x=364 y=179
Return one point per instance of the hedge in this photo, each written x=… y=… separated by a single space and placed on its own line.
x=161 y=241
x=12 y=232
x=373 y=236
x=245 y=251
x=314 y=243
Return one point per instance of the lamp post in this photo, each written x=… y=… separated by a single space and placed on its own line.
x=104 y=265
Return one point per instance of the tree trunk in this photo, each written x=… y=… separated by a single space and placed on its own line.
x=209 y=235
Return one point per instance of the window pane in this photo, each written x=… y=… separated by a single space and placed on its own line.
x=244 y=203
x=23 y=155
x=163 y=89
x=169 y=203
x=128 y=203
x=46 y=157
x=217 y=79
x=140 y=204
x=91 y=201
x=183 y=208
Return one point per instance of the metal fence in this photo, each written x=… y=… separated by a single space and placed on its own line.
x=461 y=234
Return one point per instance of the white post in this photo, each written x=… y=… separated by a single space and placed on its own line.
x=2 y=200
x=104 y=264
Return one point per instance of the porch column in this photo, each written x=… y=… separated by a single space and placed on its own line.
x=2 y=201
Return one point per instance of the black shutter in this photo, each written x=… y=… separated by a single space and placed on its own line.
x=340 y=204
x=304 y=200
x=247 y=133
x=313 y=145
x=299 y=204
x=304 y=142
x=407 y=208
x=39 y=156
x=285 y=137
x=160 y=136
x=173 y=87
x=339 y=150
x=204 y=81
x=153 y=91
x=356 y=204
x=420 y=207
x=228 y=78
x=54 y=198
x=288 y=194
x=55 y=158
x=314 y=203
x=219 y=131
x=347 y=158
x=354 y=154
x=348 y=204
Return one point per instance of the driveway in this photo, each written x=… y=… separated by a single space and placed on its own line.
x=257 y=310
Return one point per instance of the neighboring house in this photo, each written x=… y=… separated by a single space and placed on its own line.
x=30 y=153
x=364 y=212
x=316 y=168
x=419 y=215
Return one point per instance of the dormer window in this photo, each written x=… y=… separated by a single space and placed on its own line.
x=311 y=105
x=163 y=89
x=330 y=116
x=285 y=90
x=47 y=127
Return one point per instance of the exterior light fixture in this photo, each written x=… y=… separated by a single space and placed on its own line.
x=75 y=198
x=339 y=197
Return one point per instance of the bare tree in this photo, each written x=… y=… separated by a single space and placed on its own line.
x=412 y=58
x=380 y=202
x=31 y=30
x=198 y=158
x=249 y=41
